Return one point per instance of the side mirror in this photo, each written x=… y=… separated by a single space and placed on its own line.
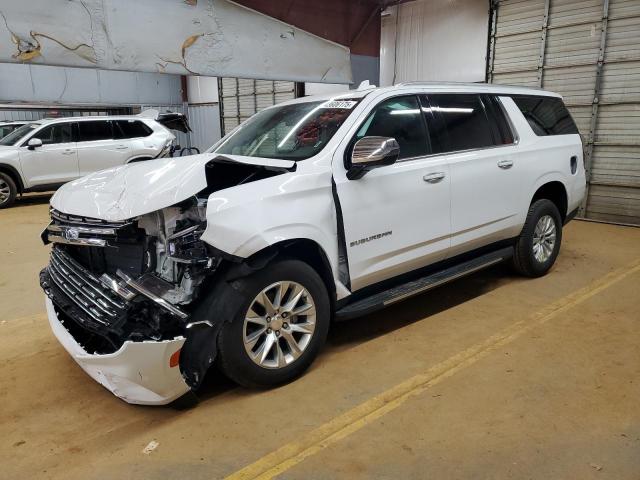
x=33 y=143
x=372 y=152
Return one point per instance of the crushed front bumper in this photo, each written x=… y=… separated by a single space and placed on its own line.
x=138 y=372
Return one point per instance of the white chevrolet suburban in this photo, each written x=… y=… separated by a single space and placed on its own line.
x=44 y=154
x=314 y=210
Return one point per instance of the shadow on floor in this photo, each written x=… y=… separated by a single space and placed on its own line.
x=32 y=199
x=344 y=335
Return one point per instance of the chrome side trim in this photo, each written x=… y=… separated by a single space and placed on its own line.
x=140 y=287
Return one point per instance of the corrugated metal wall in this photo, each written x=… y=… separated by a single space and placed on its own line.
x=205 y=123
x=241 y=98
x=588 y=51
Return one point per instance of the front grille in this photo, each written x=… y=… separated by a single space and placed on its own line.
x=61 y=217
x=85 y=290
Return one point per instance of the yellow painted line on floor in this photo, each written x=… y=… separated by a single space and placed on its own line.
x=293 y=453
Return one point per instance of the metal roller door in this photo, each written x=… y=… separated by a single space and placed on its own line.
x=589 y=52
x=240 y=98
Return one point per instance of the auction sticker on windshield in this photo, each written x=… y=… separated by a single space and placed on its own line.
x=349 y=104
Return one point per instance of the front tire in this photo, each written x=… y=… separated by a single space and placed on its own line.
x=8 y=190
x=538 y=245
x=279 y=328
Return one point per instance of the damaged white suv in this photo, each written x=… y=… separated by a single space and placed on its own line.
x=314 y=210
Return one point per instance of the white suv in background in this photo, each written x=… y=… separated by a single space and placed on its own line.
x=317 y=209
x=44 y=154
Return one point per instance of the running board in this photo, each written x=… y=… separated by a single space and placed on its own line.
x=401 y=292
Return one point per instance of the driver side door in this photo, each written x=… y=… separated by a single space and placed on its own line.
x=56 y=161
x=396 y=218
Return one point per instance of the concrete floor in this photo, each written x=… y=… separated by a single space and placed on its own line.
x=493 y=376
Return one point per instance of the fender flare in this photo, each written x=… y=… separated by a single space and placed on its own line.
x=13 y=171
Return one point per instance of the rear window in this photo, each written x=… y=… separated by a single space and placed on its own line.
x=546 y=115
x=130 y=129
x=95 y=130
x=463 y=121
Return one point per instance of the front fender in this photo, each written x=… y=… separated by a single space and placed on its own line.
x=248 y=218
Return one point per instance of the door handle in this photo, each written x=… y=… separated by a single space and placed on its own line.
x=433 y=177
x=121 y=147
x=68 y=151
x=505 y=164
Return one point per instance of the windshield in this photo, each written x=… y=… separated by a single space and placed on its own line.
x=290 y=132
x=15 y=136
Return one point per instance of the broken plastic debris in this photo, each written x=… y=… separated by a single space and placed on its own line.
x=151 y=446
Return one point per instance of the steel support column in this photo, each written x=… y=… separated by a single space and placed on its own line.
x=543 y=42
x=588 y=159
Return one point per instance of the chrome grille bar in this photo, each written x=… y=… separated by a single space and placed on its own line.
x=78 y=220
x=85 y=275
x=84 y=289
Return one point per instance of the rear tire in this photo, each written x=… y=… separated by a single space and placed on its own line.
x=538 y=245
x=264 y=346
x=8 y=190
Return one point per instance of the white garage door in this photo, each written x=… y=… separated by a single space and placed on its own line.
x=588 y=51
x=240 y=98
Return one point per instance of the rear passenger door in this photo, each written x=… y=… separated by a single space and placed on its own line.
x=485 y=178
x=97 y=148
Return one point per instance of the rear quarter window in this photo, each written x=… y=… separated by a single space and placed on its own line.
x=546 y=115
x=130 y=129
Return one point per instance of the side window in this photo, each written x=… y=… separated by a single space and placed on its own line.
x=130 y=129
x=57 y=133
x=400 y=118
x=463 y=121
x=498 y=120
x=546 y=115
x=94 y=130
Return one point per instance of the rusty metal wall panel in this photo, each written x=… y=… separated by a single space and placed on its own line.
x=589 y=52
x=573 y=45
x=614 y=204
x=575 y=83
x=621 y=83
x=518 y=16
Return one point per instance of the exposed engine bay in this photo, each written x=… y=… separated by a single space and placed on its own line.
x=148 y=278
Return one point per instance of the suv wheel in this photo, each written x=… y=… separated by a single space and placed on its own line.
x=8 y=190
x=538 y=245
x=279 y=329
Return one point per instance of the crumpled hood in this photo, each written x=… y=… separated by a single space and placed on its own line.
x=131 y=190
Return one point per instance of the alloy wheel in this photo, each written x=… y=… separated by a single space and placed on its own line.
x=279 y=324
x=5 y=191
x=544 y=238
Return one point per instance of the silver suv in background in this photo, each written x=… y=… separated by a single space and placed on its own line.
x=44 y=154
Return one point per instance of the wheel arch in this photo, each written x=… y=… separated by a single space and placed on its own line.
x=556 y=192
x=14 y=174
x=217 y=306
